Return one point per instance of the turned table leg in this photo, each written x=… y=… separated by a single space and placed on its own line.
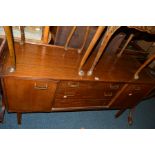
x=90 y=47
x=70 y=36
x=19 y=118
x=9 y=37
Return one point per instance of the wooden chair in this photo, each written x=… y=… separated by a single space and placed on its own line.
x=107 y=36
x=46 y=32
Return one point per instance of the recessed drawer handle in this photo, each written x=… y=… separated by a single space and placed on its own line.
x=73 y=85
x=114 y=86
x=40 y=87
x=108 y=94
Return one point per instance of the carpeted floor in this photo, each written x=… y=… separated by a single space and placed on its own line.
x=144 y=117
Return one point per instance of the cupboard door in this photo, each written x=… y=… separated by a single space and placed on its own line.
x=132 y=94
x=29 y=95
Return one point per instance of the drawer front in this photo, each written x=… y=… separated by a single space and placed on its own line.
x=87 y=90
x=132 y=95
x=79 y=103
x=29 y=95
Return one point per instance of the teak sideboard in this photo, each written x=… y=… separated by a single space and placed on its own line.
x=46 y=79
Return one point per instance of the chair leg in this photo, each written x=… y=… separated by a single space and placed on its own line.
x=19 y=118
x=45 y=36
x=9 y=38
x=22 y=41
x=70 y=36
x=90 y=47
x=125 y=45
x=148 y=61
x=85 y=39
x=110 y=31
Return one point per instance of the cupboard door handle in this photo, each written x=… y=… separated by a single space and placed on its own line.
x=108 y=94
x=40 y=87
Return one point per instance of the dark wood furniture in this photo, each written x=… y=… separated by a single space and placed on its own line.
x=46 y=79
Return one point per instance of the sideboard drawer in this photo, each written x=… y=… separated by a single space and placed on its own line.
x=79 y=103
x=86 y=90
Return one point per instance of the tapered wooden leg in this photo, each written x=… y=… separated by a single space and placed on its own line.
x=147 y=62
x=22 y=41
x=70 y=36
x=46 y=34
x=119 y=113
x=19 y=118
x=110 y=31
x=9 y=37
x=90 y=47
x=2 y=112
x=130 y=117
x=125 y=45
x=85 y=39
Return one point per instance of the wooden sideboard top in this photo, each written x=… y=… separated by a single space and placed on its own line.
x=53 y=62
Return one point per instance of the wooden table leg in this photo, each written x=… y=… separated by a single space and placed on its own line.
x=90 y=47
x=19 y=118
x=147 y=62
x=9 y=37
x=70 y=36
x=110 y=31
